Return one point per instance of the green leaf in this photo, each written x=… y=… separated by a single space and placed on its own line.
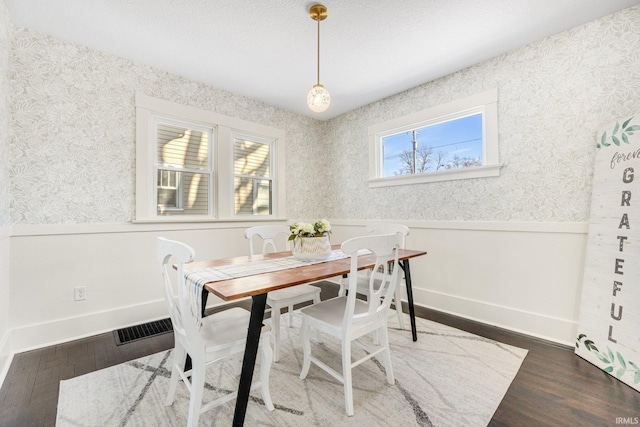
x=620 y=372
x=602 y=358
x=621 y=360
x=581 y=336
x=590 y=345
x=636 y=379
x=606 y=144
x=604 y=138
x=615 y=129
x=598 y=146
x=615 y=140
x=610 y=354
x=625 y=138
x=608 y=369
x=633 y=128
x=633 y=364
x=624 y=125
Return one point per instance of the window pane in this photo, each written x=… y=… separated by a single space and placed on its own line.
x=251 y=158
x=453 y=144
x=252 y=196
x=182 y=147
x=189 y=195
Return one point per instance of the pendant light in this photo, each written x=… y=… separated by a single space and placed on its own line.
x=318 y=98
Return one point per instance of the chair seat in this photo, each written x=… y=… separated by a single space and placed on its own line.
x=331 y=311
x=226 y=328
x=292 y=292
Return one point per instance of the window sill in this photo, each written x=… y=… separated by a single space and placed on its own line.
x=448 y=175
x=195 y=220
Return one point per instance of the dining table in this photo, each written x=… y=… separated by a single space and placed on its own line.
x=257 y=284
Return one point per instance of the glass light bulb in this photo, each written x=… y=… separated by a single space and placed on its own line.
x=318 y=99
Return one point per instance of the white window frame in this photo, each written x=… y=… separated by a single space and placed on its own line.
x=485 y=103
x=221 y=151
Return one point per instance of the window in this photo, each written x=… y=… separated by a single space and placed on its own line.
x=458 y=140
x=252 y=175
x=194 y=165
x=183 y=168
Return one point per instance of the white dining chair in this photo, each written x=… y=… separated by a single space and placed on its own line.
x=288 y=297
x=365 y=275
x=214 y=338
x=349 y=318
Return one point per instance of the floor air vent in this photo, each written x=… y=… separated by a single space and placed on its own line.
x=146 y=330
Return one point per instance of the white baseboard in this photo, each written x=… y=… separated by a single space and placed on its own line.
x=6 y=356
x=538 y=325
x=51 y=333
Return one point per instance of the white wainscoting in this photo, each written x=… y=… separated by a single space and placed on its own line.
x=523 y=277
x=116 y=262
x=5 y=303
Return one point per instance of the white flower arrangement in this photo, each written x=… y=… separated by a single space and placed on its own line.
x=304 y=229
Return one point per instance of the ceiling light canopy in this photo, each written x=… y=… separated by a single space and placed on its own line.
x=318 y=98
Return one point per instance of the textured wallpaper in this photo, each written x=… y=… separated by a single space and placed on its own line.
x=73 y=129
x=552 y=98
x=5 y=53
x=73 y=132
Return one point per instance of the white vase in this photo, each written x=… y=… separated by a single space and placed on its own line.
x=311 y=248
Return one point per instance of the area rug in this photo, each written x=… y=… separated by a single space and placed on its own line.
x=447 y=378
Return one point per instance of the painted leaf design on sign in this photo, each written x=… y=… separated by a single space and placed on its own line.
x=624 y=131
x=611 y=360
x=621 y=360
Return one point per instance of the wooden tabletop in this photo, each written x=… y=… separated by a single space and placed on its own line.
x=241 y=287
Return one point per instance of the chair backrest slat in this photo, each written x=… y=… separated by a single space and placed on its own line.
x=268 y=234
x=388 y=228
x=385 y=249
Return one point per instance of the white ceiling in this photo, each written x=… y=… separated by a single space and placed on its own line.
x=266 y=49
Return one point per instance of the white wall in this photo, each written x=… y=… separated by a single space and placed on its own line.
x=5 y=52
x=524 y=277
x=553 y=96
x=520 y=276
x=505 y=250
x=117 y=264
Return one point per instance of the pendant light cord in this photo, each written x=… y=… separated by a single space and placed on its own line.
x=318 y=19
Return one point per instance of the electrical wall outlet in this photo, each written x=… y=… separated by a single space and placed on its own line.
x=80 y=293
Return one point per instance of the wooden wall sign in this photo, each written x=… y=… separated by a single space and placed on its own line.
x=609 y=325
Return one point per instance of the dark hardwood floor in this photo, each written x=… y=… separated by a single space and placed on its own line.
x=554 y=387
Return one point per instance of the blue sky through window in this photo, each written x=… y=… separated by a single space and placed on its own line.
x=455 y=140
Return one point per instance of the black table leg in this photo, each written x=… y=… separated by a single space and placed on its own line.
x=250 y=352
x=412 y=313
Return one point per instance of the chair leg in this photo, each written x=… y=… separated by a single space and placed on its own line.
x=177 y=359
x=306 y=348
x=316 y=300
x=197 y=391
x=398 y=303
x=265 y=368
x=386 y=355
x=275 y=322
x=289 y=315
x=346 y=375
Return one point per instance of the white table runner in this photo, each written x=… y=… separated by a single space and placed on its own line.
x=196 y=279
